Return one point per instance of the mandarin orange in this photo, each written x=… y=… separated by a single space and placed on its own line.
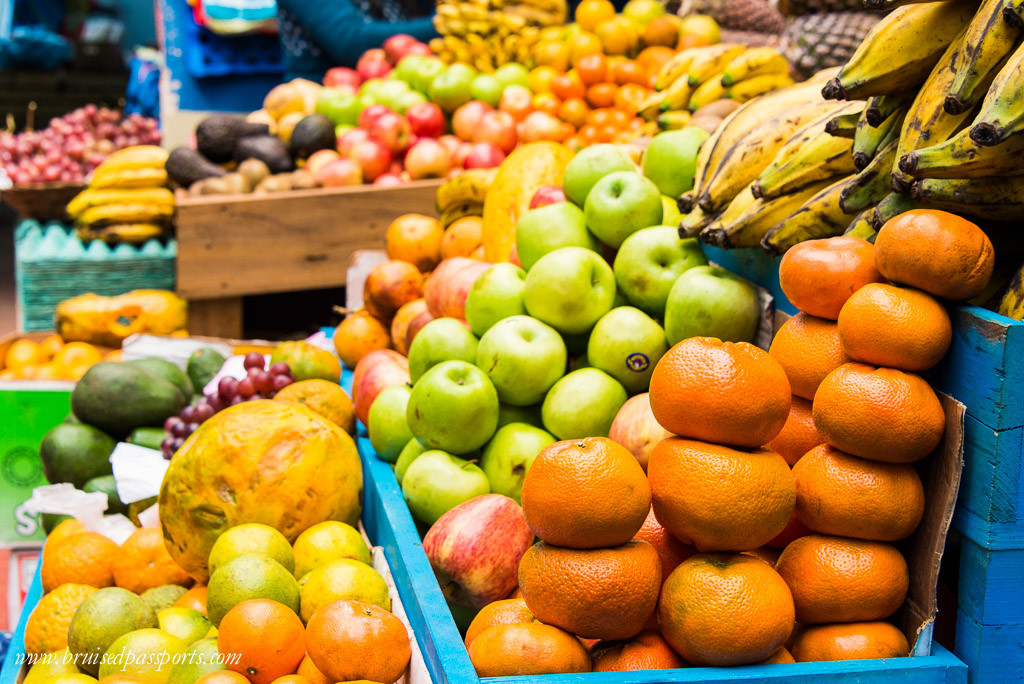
x=808 y=348
x=851 y=641
x=799 y=435
x=527 y=649
x=818 y=276
x=648 y=650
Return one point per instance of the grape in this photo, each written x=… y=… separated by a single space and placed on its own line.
x=246 y=388
x=280 y=382
x=263 y=381
x=167 y=447
x=188 y=414
x=179 y=429
x=281 y=368
x=236 y=400
x=192 y=427
x=204 y=411
x=216 y=403
x=178 y=441
x=170 y=422
x=227 y=388
x=253 y=360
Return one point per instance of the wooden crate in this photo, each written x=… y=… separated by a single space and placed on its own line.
x=240 y=245
x=42 y=201
x=994 y=654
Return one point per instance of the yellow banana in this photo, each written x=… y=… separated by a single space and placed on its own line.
x=676 y=96
x=1002 y=111
x=873 y=183
x=121 y=233
x=675 y=68
x=466 y=188
x=125 y=213
x=819 y=217
x=756 y=218
x=961 y=157
x=1011 y=304
x=750 y=88
x=650 y=107
x=758 y=61
x=91 y=197
x=694 y=222
x=706 y=93
x=711 y=61
x=998 y=199
x=1013 y=13
x=129 y=178
x=673 y=121
x=988 y=43
x=134 y=157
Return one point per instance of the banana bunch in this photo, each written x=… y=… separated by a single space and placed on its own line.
x=1012 y=302
x=127 y=199
x=488 y=33
x=464 y=195
x=699 y=76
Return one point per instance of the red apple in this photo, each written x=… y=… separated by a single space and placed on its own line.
x=467 y=117
x=483 y=155
x=347 y=141
x=513 y=257
x=461 y=154
x=475 y=549
x=373 y=158
x=393 y=130
x=547 y=194
x=388 y=180
x=396 y=45
x=380 y=369
x=390 y=285
x=636 y=429
x=415 y=325
x=498 y=128
x=426 y=119
x=341 y=171
x=342 y=77
x=373 y=64
x=368 y=116
x=543 y=126
x=419 y=49
x=451 y=143
x=320 y=159
x=427 y=159
x=448 y=286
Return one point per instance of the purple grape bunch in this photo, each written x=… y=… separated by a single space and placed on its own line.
x=260 y=382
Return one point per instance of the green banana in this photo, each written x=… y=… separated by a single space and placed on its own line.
x=1002 y=111
x=892 y=206
x=820 y=217
x=1011 y=304
x=843 y=126
x=870 y=139
x=961 y=157
x=998 y=199
x=873 y=183
x=901 y=50
x=862 y=228
x=881 y=107
x=757 y=217
x=987 y=45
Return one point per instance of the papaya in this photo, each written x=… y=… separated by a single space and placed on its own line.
x=119 y=397
x=106 y=485
x=109 y=320
x=202 y=366
x=149 y=437
x=270 y=462
x=75 y=453
x=307 y=362
x=169 y=372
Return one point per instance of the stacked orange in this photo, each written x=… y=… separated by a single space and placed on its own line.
x=50 y=359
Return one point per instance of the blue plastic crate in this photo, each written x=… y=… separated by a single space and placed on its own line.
x=209 y=54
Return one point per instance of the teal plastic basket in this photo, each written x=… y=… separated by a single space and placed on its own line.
x=52 y=264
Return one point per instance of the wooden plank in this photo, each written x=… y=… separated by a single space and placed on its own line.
x=992 y=480
x=301 y=240
x=991 y=584
x=220 y=317
x=994 y=654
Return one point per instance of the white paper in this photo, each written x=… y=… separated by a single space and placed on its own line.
x=117 y=528
x=64 y=499
x=138 y=471
x=150 y=517
x=173 y=349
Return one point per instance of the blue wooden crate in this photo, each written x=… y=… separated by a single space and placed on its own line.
x=994 y=654
x=991 y=588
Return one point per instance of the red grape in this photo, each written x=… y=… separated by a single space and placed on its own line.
x=254 y=360
x=263 y=381
x=246 y=388
x=179 y=429
x=227 y=388
x=281 y=368
x=280 y=382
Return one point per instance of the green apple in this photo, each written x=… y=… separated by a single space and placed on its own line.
x=496 y=294
x=370 y=87
x=389 y=92
x=408 y=99
x=523 y=358
x=708 y=301
x=487 y=88
x=452 y=88
x=570 y=289
x=650 y=261
x=671 y=216
x=620 y=204
x=437 y=482
x=590 y=165
x=509 y=455
x=453 y=407
x=627 y=344
x=551 y=227
x=389 y=431
x=426 y=71
x=507 y=413
x=513 y=73
x=583 y=404
x=671 y=159
x=442 y=339
x=407 y=68
x=412 y=450
x=340 y=107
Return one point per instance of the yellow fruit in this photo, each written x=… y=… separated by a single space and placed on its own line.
x=47 y=627
x=55 y=664
x=343 y=579
x=148 y=653
x=326 y=542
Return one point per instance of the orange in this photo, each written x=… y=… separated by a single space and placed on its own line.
x=573 y=142
x=547 y=102
x=527 y=649
x=324 y=398
x=568 y=85
x=719 y=498
x=540 y=77
x=291 y=679
x=506 y=612
x=415 y=238
x=65 y=528
x=113 y=355
x=794 y=529
x=464 y=238
x=671 y=551
x=590 y=13
x=49 y=347
x=648 y=650
x=879 y=413
x=630 y=97
x=194 y=598
x=835 y=579
x=853 y=497
x=47 y=628
x=799 y=435
x=721 y=392
x=854 y=641
x=581 y=44
x=661 y=32
x=601 y=95
x=143 y=563
x=401 y=322
x=938 y=252
x=53 y=371
x=780 y=657
x=808 y=348
x=574 y=111
x=350 y=640
x=818 y=276
x=266 y=638
x=592 y=69
x=75 y=357
x=309 y=670
x=723 y=609
x=596 y=594
x=764 y=553
x=619 y=35
x=222 y=677
x=628 y=72
x=83 y=558
x=585 y=494
x=897 y=327
x=22 y=353
x=552 y=54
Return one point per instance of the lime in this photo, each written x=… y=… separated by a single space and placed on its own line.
x=102 y=619
x=251 y=538
x=53 y=664
x=146 y=653
x=248 y=577
x=343 y=579
x=73 y=678
x=326 y=542
x=188 y=625
x=199 y=659
x=159 y=598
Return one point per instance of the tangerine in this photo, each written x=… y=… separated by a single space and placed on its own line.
x=591 y=13
x=592 y=69
x=527 y=649
x=568 y=85
x=852 y=641
x=808 y=348
x=818 y=276
x=348 y=640
x=648 y=650
x=415 y=238
x=143 y=563
x=83 y=558
x=799 y=435
x=506 y=612
x=464 y=238
x=671 y=551
x=265 y=639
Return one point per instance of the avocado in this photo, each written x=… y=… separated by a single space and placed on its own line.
x=51 y=520
x=312 y=133
x=169 y=372
x=119 y=397
x=71 y=419
x=268 y=149
x=202 y=366
x=217 y=136
x=75 y=454
x=149 y=437
x=185 y=166
x=106 y=485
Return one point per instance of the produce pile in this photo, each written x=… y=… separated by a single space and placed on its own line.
x=49 y=359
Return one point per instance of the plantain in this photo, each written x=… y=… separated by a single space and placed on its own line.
x=989 y=42
x=961 y=157
x=889 y=5
x=758 y=61
x=997 y=199
x=891 y=206
x=873 y=183
x=881 y=107
x=756 y=218
x=869 y=139
x=819 y=217
x=1013 y=13
x=121 y=233
x=694 y=222
x=843 y=125
x=1002 y=111
x=1011 y=304
x=862 y=228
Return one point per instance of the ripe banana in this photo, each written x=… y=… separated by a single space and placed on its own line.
x=749 y=88
x=759 y=61
x=466 y=188
x=121 y=233
x=873 y=183
x=106 y=214
x=901 y=50
x=862 y=228
x=881 y=107
x=675 y=68
x=135 y=157
x=712 y=61
x=737 y=206
x=673 y=121
x=889 y=5
x=460 y=210
x=869 y=139
x=147 y=177
x=1012 y=303
x=694 y=222
x=91 y=197
x=1002 y=111
x=676 y=96
x=892 y=206
x=961 y=157
x=998 y=199
x=651 y=107
x=707 y=92
x=843 y=125
x=819 y=217
x=757 y=218
x=1013 y=13
x=989 y=42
